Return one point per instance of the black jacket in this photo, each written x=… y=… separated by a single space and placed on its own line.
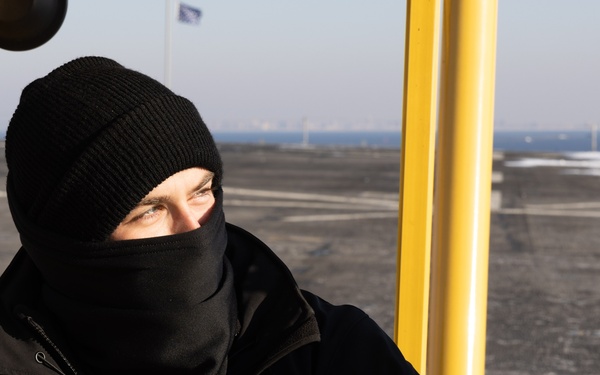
x=283 y=330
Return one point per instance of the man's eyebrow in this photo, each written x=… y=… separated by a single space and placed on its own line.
x=152 y=201
x=164 y=198
x=204 y=182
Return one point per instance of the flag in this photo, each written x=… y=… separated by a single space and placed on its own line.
x=188 y=14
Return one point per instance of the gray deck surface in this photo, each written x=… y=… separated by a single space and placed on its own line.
x=331 y=215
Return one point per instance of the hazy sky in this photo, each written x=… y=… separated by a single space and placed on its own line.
x=325 y=59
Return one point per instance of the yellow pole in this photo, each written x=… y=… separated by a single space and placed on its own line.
x=456 y=343
x=416 y=185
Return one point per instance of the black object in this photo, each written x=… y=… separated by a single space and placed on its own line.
x=27 y=24
x=89 y=140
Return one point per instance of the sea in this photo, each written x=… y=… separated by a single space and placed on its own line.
x=517 y=141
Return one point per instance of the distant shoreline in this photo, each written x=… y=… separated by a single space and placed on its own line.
x=504 y=140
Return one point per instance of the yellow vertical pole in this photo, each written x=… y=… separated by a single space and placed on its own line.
x=456 y=343
x=416 y=185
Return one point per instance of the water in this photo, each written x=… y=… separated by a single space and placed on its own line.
x=361 y=139
x=523 y=141
x=550 y=141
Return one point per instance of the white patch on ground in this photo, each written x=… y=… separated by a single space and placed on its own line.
x=572 y=163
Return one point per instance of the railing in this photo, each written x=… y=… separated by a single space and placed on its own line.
x=444 y=217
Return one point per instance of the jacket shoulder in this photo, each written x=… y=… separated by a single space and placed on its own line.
x=349 y=341
x=353 y=343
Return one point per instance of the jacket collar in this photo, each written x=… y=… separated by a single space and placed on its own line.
x=275 y=318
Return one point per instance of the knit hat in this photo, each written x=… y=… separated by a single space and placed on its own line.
x=88 y=141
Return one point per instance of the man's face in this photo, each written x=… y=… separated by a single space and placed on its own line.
x=181 y=203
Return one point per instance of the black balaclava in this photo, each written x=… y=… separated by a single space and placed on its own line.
x=86 y=143
x=89 y=140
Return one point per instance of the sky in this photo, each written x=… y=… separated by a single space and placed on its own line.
x=326 y=60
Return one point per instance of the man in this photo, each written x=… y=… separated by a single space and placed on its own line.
x=128 y=265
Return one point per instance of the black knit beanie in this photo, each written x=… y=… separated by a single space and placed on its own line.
x=88 y=141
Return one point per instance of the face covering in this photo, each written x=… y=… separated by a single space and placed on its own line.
x=163 y=305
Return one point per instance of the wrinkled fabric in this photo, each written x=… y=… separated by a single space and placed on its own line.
x=284 y=330
x=156 y=305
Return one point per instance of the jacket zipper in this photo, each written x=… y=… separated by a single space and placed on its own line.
x=40 y=357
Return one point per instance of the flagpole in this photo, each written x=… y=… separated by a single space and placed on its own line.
x=168 y=20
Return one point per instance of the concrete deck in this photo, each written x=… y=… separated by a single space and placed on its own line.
x=331 y=216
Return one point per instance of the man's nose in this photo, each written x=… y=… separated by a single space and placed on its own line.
x=185 y=220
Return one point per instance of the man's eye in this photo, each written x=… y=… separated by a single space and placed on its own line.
x=203 y=192
x=150 y=211
x=148 y=214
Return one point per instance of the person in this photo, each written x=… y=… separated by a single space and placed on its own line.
x=127 y=264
